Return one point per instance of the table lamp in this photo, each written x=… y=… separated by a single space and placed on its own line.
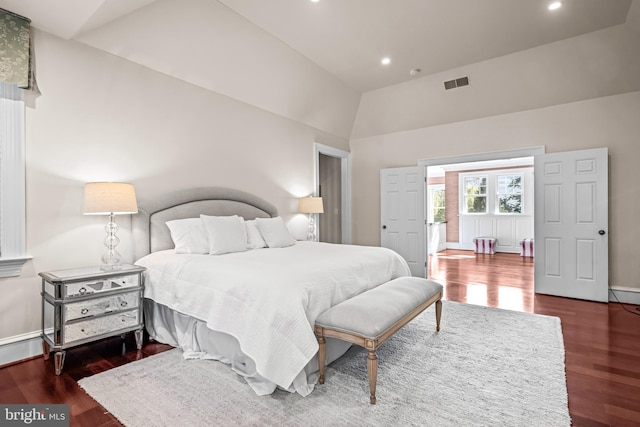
x=311 y=205
x=110 y=198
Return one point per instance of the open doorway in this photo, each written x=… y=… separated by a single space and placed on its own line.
x=485 y=199
x=571 y=217
x=330 y=189
x=488 y=200
x=332 y=167
x=487 y=195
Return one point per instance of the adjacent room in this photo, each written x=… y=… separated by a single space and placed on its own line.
x=367 y=212
x=489 y=212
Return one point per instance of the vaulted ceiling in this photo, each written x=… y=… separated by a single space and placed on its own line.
x=348 y=38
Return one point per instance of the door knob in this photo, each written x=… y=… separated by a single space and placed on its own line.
x=384 y=227
x=601 y=232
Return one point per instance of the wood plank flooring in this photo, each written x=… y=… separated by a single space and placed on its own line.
x=602 y=344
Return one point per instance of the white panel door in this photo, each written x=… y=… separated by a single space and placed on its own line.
x=402 y=216
x=571 y=224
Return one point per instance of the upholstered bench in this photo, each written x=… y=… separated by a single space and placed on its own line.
x=370 y=318
x=485 y=245
x=526 y=247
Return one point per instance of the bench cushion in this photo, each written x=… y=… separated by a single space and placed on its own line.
x=373 y=312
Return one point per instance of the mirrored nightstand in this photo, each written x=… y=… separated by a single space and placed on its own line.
x=87 y=304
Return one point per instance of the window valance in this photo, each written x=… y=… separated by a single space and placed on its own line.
x=16 y=63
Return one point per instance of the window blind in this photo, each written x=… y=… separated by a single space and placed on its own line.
x=15 y=58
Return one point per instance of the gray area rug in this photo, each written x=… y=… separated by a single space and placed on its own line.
x=486 y=367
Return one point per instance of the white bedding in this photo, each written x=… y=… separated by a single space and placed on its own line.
x=268 y=299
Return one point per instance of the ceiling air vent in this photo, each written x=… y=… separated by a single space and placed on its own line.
x=452 y=84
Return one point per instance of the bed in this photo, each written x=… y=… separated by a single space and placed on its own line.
x=253 y=310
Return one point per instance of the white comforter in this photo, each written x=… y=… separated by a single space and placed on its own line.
x=268 y=299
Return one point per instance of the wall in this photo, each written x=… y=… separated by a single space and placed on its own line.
x=610 y=121
x=452 y=206
x=633 y=17
x=573 y=94
x=592 y=65
x=101 y=117
x=508 y=229
x=219 y=50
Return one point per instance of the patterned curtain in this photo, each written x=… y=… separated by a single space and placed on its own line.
x=16 y=59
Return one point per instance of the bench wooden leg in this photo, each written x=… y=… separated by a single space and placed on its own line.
x=372 y=367
x=321 y=359
x=438 y=314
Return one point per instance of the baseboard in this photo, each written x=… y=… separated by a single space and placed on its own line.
x=625 y=295
x=455 y=245
x=20 y=347
x=471 y=247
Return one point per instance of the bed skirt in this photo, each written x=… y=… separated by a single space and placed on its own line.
x=197 y=341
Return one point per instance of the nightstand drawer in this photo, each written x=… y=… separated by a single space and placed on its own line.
x=96 y=306
x=93 y=327
x=78 y=289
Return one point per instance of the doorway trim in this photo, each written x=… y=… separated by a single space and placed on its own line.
x=488 y=155
x=466 y=158
x=345 y=179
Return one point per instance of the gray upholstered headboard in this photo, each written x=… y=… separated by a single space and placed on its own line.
x=150 y=233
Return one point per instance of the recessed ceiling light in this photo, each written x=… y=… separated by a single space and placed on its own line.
x=385 y=61
x=555 y=5
x=315 y=1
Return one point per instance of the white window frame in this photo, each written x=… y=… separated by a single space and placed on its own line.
x=498 y=194
x=432 y=188
x=12 y=181
x=463 y=193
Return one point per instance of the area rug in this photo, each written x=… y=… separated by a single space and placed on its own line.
x=486 y=367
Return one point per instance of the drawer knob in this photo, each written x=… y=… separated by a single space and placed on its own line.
x=84 y=311
x=123 y=303
x=82 y=290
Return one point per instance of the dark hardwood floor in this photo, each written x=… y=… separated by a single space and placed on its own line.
x=602 y=344
x=34 y=381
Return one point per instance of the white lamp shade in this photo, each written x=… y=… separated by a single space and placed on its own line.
x=104 y=198
x=310 y=205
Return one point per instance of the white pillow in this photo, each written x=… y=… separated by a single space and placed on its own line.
x=226 y=234
x=275 y=232
x=254 y=238
x=189 y=236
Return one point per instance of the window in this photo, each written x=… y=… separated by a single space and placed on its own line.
x=436 y=203
x=475 y=194
x=12 y=183
x=509 y=193
x=17 y=74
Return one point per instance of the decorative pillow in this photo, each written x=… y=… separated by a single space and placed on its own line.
x=254 y=238
x=275 y=232
x=226 y=234
x=189 y=236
